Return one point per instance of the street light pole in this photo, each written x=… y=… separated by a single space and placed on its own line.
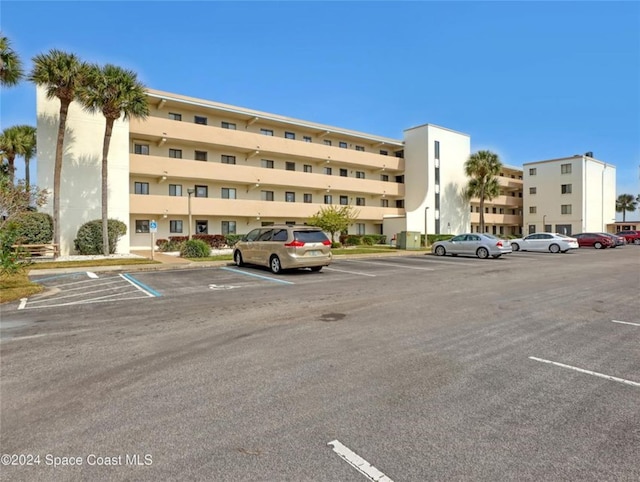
x=190 y=191
x=426 y=239
x=544 y=223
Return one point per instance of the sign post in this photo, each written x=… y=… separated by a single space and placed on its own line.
x=153 y=229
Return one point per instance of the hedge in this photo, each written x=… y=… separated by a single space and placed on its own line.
x=89 y=240
x=33 y=228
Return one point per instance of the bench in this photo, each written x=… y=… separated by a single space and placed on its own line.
x=37 y=249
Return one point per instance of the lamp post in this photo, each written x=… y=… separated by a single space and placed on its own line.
x=544 y=223
x=426 y=238
x=190 y=191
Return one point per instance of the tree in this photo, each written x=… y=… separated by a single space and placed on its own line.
x=334 y=219
x=115 y=92
x=10 y=64
x=29 y=137
x=624 y=203
x=15 y=198
x=482 y=169
x=61 y=74
x=11 y=145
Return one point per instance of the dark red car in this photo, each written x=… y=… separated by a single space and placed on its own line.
x=630 y=235
x=596 y=240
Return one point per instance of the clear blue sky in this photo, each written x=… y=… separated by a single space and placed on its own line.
x=529 y=80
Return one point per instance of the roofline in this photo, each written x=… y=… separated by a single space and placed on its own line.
x=438 y=127
x=570 y=158
x=158 y=94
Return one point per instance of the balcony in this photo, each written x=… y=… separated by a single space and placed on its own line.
x=498 y=219
x=156 y=128
x=507 y=201
x=157 y=206
x=509 y=183
x=175 y=169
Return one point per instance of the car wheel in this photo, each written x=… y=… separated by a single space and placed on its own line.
x=496 y=256
x=237 y=259
x=598 y=245
x=482 y=253
x=274 y=264
x=440 y=251
x=316 y=268
x=515 y=246
x=554 y=248
x=636 y=241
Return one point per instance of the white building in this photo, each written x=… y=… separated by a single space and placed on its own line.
x=569 y=195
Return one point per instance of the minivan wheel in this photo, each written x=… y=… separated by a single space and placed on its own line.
x=237 y=258
x=636 y=241
x=598 y=245
x=316 y=268
x=482 y=253
x=554 y=248
x=274 y=264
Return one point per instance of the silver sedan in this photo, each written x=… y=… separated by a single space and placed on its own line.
x=473 y=244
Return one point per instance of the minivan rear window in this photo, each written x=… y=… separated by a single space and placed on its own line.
x=310 y=236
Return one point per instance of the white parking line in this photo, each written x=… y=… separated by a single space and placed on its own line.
x=589 y=372
x=625 y=322
x=389 y=265
x=357 y=462
x=350 y=272
x=91 y=274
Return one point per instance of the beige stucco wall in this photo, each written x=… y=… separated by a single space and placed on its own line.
x=80 y=190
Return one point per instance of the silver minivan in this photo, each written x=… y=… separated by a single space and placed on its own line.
x=279 y=247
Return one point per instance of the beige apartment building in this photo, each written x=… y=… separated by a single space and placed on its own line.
x=197 y=166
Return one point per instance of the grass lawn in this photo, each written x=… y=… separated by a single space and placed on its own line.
x=14 y=287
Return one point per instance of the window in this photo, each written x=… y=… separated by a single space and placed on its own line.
x=228 y=193
x=437 y=175
x=436 y=150
x=306 y=138
x=360 y=174
x=200 y=120
x=266 y=195
x=327 y=142
x=142 y=225
x=565 y=168
x=290 y=197
x=400 y=203
x=533 y=171
x=327 y=170
x=228 y=125
x=174 y=116
x=384 y=203
x=266 y=163
x=360 y=201
x=202 y=227
x=565 y=209
x=175 y=226
x=202 y=191
x=533 y=209
x=141 y=149
x=384 y=153
x=308 y=168
x=175 y=189
x=289 y=135
x=343 y=172
x=344 y=200
x=142 y=188
x=532 y=190
x=201 y=155
x=228 y=159
x=228 y=227
x=328 y=199
x=266 y=132
x=360 y=148
x=342 y=145
x=566 y=189
x=175 y=153
x=308 y=198
x=384 y=177
x=290 y=166
x=360 y=228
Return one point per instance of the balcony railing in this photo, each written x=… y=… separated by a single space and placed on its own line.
x=491 y=218
x=508 y=201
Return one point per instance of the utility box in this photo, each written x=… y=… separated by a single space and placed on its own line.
x=408 y=240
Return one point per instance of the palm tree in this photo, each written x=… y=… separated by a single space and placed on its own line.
x=115 y=92
x=61 y=74
x=28 y=134
x=11 y=145
x=482 y=169
x=624 y=203
x=10 y=64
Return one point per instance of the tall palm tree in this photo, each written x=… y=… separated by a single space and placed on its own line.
x=10 y=64
x=115 y=92
x=624 y=203
x=11 y=145
x=28 y=134
x=61 y=74
x=482 y=169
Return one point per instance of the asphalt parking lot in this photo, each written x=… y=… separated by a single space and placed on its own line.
x=413 y=368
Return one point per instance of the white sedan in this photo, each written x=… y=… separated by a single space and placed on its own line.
x=552 y=242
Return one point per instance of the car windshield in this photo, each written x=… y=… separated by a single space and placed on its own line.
x=310 y=236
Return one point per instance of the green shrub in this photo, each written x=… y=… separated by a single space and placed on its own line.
x=33 y=228
x=336 y=245
x=232 y=239
x=89 y=240
x=195 y=248
x=368 y=240
x=215 y=241
x=11 y=261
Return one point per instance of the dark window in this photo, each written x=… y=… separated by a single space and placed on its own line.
x=174 y=116
x=175 y=189
x=565 y=168
x=532 y=190
x=142 y=188
x=280 y=235
x=266 y=195
x=228 y=227
x=202 y=227
x=308 y=198
x=308 y=168
x=327 y=142
x=200 y=120
x=327 y=170
x=228 y=159
x=175 y=153
x=533 y=171
x=267 y=163
x=400 y=203
x=360 y=174
x=142 y=226
x=533 y=209
x=437 y=176
x=344 y=200
x=343 y=145
x=328 y=199
x=566 y=189
x=289 y=135
x=141 y=149
x=436 y=149
x=175 y=226
x=384 y=203
x=228 y=193
x=400 y=179
x=290 y=197
x=290 y=166
x=384 y=177
x=343 y=172
x=310 y=236
x=360 y=201
x=306 y=138
x=565 y=209
x=360 y=148
x=384 y=153
x=266 y=132
x=201 y=155
x=202 y=191
x=228 y=125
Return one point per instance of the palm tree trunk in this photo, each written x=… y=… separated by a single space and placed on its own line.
x=26 y=172
x=624 y=215
x=105 y=185
x=12 y=168
x=57 y=172
x=482 y=209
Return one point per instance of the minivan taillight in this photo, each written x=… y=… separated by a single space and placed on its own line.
x=326 y=242
x=294 y=244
